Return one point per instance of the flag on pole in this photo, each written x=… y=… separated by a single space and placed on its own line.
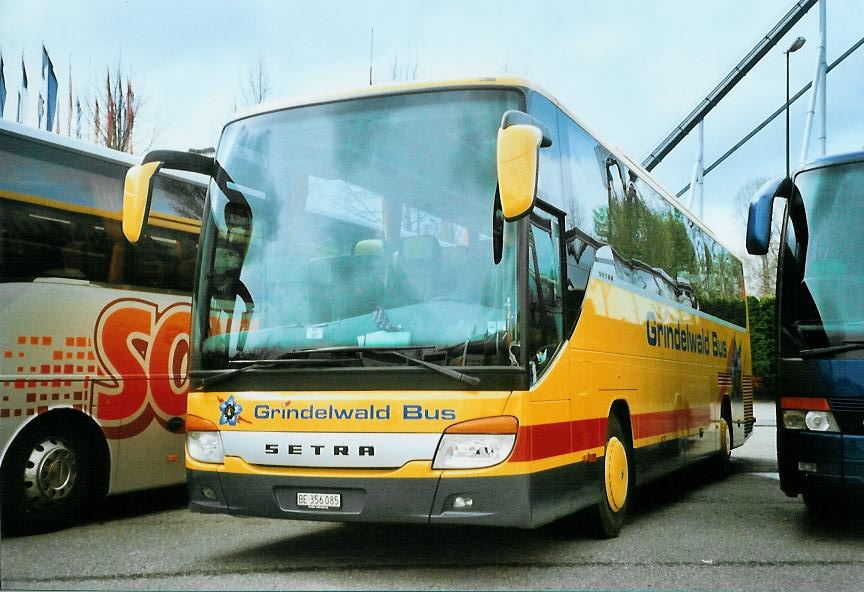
x=97 y=128
x=78 y=118
x=110 y=114
x=22 y=95
x=52 y=88
x=2 y=86
x=69 y=121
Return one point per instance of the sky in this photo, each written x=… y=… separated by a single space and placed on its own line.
x=629 y=69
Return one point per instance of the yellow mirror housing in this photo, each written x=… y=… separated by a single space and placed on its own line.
x=517 y=168
x=137 y=192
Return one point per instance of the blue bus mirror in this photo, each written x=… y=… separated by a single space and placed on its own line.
x=761 y=210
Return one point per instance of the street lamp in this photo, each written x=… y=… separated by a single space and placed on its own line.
x=796 y=45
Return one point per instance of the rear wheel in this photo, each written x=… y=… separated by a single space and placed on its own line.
x=617 y=482
x=45 y=479
x=724 y=457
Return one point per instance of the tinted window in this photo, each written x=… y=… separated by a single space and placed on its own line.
x=657 y=248
x=586 y=188
x=545 y=301
x=549 y=188
x=60 y=218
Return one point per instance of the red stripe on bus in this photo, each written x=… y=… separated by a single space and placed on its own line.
x=536 y=442
x=646 y=425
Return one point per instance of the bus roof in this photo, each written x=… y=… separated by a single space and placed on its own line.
x=513 y=82
x=832 y=160
x=85 y=148
x=388 y=89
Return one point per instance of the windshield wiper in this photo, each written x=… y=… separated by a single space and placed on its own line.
x=260 y=365
x=397 y=351
x=461 y=377
x=350 y=349
x=250 y=365
x=832 y=349
x=290 y=358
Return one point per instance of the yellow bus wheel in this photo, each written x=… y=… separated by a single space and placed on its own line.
x=723 y=459
x=617 y=480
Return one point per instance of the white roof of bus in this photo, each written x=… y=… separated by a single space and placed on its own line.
x=490 y=82
x=85 y=148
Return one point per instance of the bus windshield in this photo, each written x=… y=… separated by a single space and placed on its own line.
x=822 y=291
x=359 y=224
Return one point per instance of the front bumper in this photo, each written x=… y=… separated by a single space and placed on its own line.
x=839 y=460
x=496 y=501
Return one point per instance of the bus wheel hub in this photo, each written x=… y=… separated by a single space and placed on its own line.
x=50 y=472
x=616 y=474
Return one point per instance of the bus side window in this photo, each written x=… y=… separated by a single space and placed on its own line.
x=165 y=257
x=580 y=258
x=545 y=301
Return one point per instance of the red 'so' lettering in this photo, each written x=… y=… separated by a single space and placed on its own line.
x=172 y=334
x=144 y=355
x=126 y=389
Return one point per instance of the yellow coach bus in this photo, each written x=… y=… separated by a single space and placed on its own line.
x=451 y=304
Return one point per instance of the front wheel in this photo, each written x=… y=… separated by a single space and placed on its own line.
x=617 y=481
x=44 y=480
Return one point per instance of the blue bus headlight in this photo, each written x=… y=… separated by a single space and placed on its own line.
x=793 y=419
x=821 y=421
x=814 y=421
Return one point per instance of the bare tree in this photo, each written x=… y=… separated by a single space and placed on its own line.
x=403 y=70
x=255 y=87
x=114 y=108
x=761 y=270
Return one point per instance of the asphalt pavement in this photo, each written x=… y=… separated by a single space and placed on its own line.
x=689 y=531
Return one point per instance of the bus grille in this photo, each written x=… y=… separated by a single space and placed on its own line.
x=853 y=404
x=849 y=413
x=747 y=391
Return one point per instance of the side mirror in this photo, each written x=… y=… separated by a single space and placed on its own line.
x=138 y=188
x=137 y=193
x=519 y=139
x=761 y=211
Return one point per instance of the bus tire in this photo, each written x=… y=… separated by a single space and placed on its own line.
x=617 y=482
x=811 y=501
x=723 y=462
x=45 y=479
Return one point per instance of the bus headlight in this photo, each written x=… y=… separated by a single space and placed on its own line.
x=808 y=413
x=203 y=440
x=463 y=451
x=205 y=447
x=793 y=419
x=821 y=421
x=476 y=443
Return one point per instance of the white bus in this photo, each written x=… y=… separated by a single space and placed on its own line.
x=94 y=332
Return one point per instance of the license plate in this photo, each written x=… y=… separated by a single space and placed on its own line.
x=319 y=501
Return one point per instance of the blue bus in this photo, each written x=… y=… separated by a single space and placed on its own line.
x=820 y=317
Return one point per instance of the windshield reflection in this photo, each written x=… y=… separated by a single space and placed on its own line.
x=362 y=223
x=822 y=311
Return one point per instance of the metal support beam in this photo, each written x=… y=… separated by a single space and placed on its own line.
x=770 y=39
x=817 y=96
x=696 y=201
x=771 y=117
